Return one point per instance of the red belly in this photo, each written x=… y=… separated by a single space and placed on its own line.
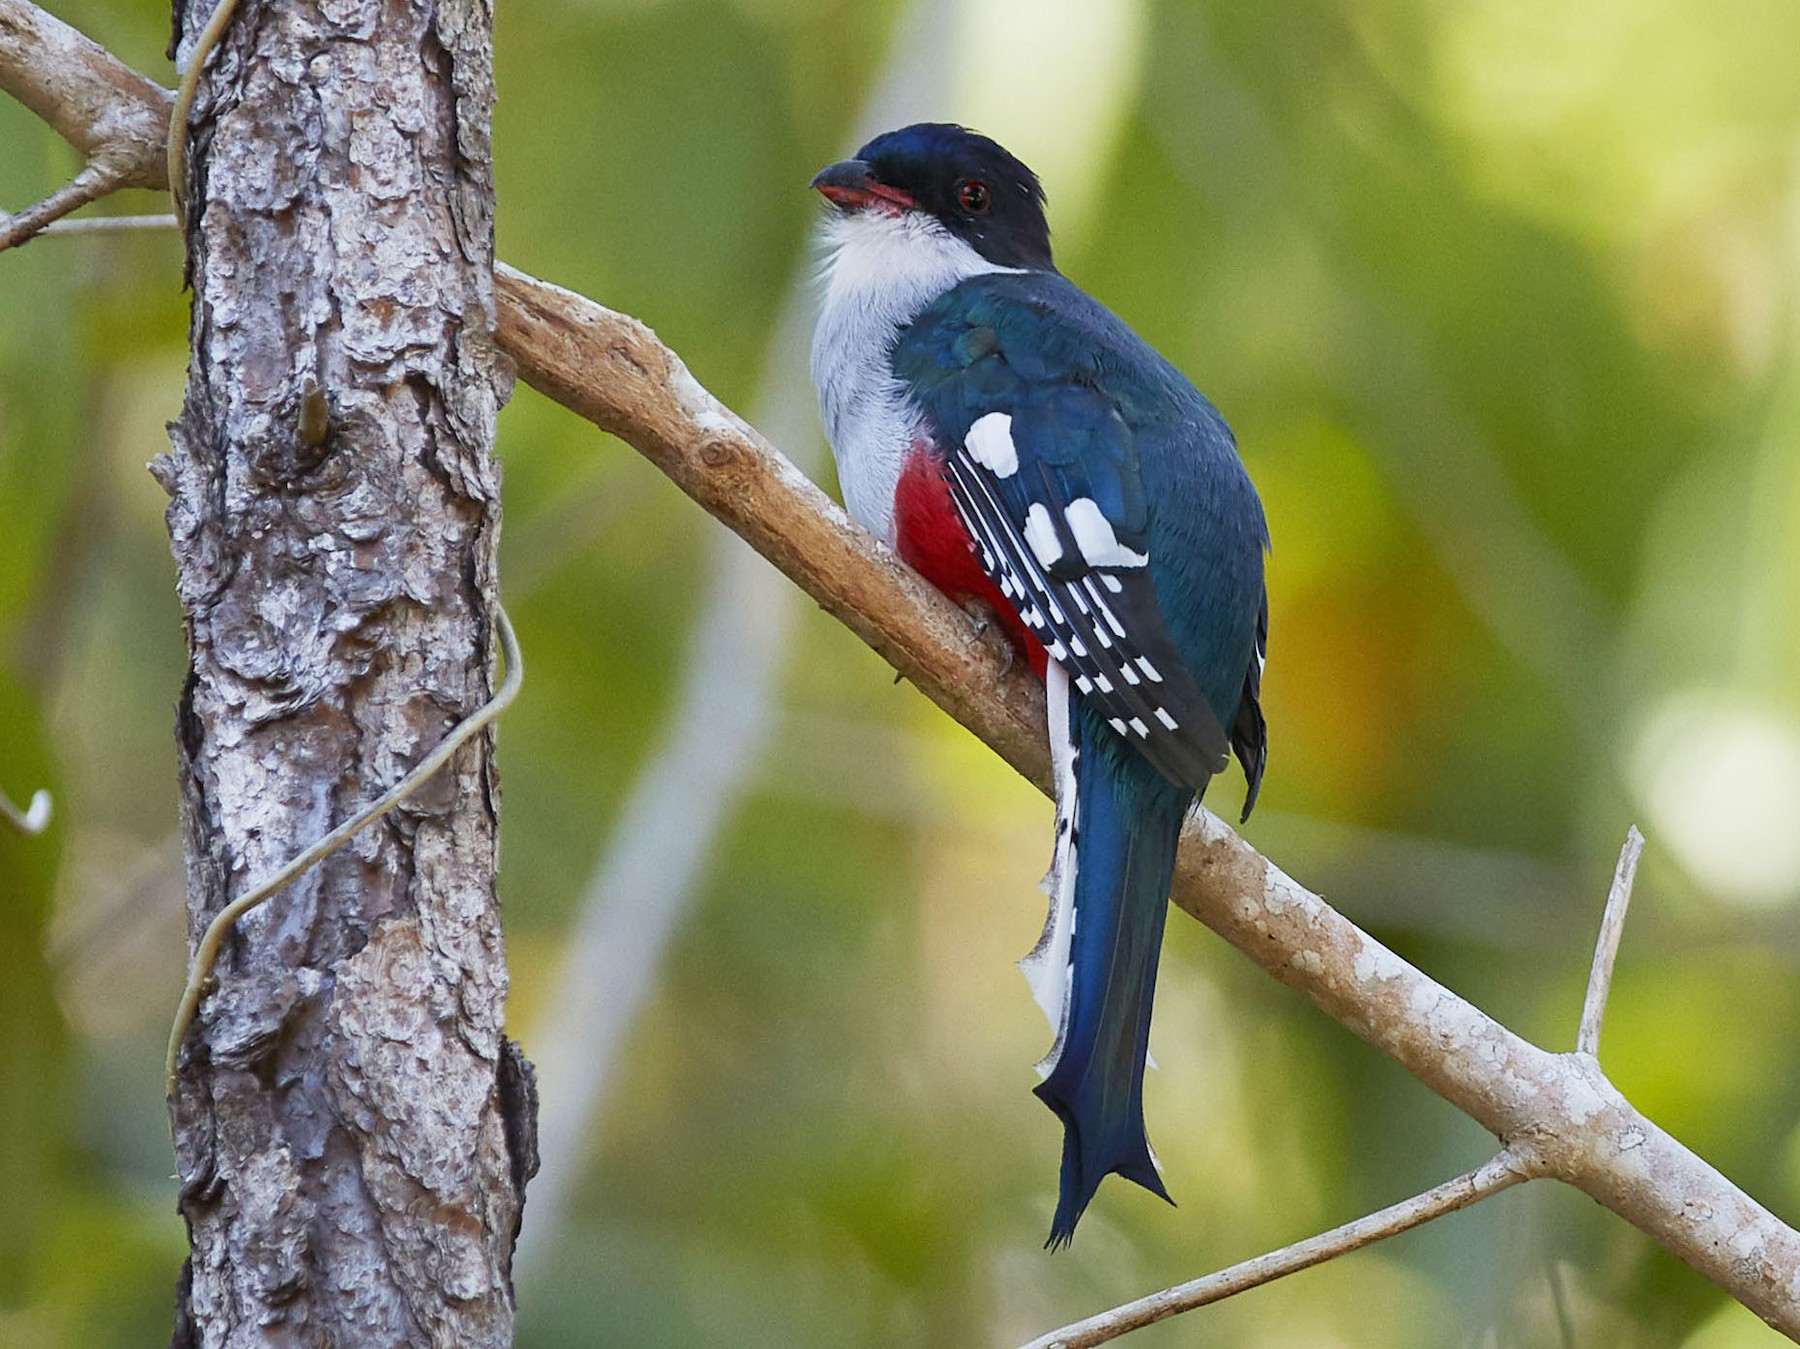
x=935 y=544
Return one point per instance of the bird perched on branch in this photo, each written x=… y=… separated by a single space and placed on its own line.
x=1025 y=451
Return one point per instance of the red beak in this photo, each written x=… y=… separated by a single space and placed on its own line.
x=851 y=186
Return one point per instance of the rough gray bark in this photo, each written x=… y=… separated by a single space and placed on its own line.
x=1557 y=1110
x=352 y=1131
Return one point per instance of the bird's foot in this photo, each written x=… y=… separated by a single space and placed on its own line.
x=989 y=633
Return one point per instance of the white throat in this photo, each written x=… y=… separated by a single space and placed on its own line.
x=881 y=270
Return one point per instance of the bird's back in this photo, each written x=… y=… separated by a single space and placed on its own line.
x=1012 y=341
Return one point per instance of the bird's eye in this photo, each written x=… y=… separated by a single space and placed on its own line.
x=973 y=195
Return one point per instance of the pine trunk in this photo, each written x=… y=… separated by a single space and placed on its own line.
x=353 y=1132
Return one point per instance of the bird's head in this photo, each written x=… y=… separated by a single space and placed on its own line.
x=965 y=183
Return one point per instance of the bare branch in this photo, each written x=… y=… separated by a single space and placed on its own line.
x=111 y=114
x=91 y=184
x=115 y=117
x=611 y=369
x=113 y=224
x=1509 y=1168
x=34 y=819
x=1606 y=949
x=712 y=741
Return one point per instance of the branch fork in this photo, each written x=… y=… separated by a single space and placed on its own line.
x=612 y=370
x=1518 y=1161
x=115 y=118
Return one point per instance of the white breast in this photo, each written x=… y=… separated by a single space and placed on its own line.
x=880 y=272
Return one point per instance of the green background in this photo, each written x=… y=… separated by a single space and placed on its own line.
x=1500 y=297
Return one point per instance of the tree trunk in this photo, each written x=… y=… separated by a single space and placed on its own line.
x=352 y=1130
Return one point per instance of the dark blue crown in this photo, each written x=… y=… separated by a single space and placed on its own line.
x=973 y=185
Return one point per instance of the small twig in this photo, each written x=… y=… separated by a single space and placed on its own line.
x=1606 y=949
x=1507 y=1169
x=207 y=952
x=612 y=370
x=91 y=184
x=113 y=224
x=184 y=103
x=114 y=117
x=34 y=819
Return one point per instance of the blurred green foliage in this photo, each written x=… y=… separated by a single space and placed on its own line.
x=1500 y=298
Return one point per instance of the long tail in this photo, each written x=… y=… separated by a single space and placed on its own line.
x=1094 y=970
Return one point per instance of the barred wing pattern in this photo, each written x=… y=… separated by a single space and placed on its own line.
x=1088 y=597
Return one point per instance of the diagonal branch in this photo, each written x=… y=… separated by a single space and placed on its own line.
x=611 y=369
x=97 y=103
x=112 y=115
x=1518 y=1161
x=91 y=184
x=1500 y=1173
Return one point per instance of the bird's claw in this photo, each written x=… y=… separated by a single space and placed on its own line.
x=989 y=633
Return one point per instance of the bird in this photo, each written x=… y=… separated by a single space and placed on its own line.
x=1035 y=460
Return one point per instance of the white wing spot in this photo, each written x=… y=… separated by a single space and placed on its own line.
x=1112 y=582
x=1140 y=728
x=990 y=444
x=1163 y=716
x=1058 y=652
x=1093 y=532
x=1130 y=675
x=1150 y=670
x=1040 y=534
x=1083 y=683
x=1116 y=724
x=1102 y=683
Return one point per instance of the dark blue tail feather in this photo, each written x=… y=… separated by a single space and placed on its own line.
x=1127 y=825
